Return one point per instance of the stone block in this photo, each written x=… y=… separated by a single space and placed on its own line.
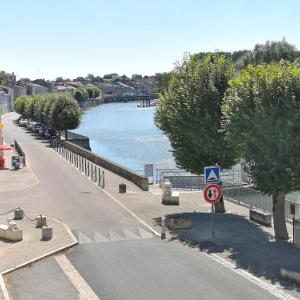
x=178 y=222
x=173 y=199
x=262 y=217
x=41 y=221
x=19 y=214
x=3 y=228
x=47 y=233
x=14 y=235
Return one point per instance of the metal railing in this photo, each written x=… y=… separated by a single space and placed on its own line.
x=20 y=152
x=91 y=170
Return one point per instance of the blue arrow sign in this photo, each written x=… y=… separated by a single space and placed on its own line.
x=212 y=174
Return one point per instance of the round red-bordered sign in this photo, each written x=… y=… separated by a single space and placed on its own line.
x=212 y=193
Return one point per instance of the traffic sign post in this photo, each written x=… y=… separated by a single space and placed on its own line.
x=212 y=174
x=212 y=194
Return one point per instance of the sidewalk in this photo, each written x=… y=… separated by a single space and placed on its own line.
x=15 y=180
x=14 y=254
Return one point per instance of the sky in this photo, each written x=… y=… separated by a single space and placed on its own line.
x=70 y=38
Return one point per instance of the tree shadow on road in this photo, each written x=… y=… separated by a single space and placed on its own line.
x=243 y=242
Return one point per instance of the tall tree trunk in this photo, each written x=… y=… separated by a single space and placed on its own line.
x=279 y=217
x=220 y=206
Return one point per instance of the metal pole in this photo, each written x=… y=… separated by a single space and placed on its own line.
x=293 y=230
x=212 y=221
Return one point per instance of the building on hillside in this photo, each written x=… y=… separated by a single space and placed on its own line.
x=116 y=88
x=66 y=89
x=18 y=91
x=5 y=102
x=36 y=89
x=75 y=84
x=142 y=87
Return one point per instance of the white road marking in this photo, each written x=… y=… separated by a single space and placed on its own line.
x=115 y=236
x=131 y=212
x=83 y=239
x=3 y=288
x=129 y=235
x=272 y=289
x=98 y=237
x=85 y=292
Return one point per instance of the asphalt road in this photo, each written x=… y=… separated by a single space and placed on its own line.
x=117 y=256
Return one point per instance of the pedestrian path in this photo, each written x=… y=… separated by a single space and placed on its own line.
x=116 y=233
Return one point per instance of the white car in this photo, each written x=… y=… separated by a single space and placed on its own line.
x=23 y=122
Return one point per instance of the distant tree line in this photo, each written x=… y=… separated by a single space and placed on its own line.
x=59 y=111
x=84 y=94
x=271 y=51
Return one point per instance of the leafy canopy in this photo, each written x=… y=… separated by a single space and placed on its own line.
x=261 y=117
x=189 y=112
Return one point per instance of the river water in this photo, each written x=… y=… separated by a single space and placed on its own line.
x=126 y=134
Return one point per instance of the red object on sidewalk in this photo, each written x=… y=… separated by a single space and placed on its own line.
x=5 y=147
x=2 y=162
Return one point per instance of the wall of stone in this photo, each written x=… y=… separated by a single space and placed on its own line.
x=128 y=174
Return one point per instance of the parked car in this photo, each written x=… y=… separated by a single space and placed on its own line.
x=23 y=122
x=50 y=133
x=42 y=130
x=29 y=125
x=36 y=127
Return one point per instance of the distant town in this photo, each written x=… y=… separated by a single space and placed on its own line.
x=112 y=88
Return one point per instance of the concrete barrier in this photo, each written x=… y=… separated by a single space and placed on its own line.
x=262 y=217
x=130 y=175
x=10 y=234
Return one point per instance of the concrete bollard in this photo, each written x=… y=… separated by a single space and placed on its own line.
x=18 y=214
x=46 y=233
x=163 y=229
x=41 y=221
x=122 y=188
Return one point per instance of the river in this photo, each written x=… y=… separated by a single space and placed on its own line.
x=126 y=134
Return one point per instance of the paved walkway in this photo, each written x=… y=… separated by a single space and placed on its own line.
x=13 y=254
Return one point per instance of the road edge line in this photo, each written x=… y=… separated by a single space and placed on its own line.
x=131 y=213
x=272 y=289
x=83 y=288
x=3 y=288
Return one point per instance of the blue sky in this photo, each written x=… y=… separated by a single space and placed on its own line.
x=70 y=38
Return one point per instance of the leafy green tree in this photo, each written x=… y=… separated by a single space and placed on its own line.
x=29 y=107
x=189 y=112
x=50 y=101
x=78 y=95
x=19 y=105
x=64 y=113
x=261 y=117
x=79 y=79
x=162 y=80
x=271 y=51
x=90 y=92
x=93 y=92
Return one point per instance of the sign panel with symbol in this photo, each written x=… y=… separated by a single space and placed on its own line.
x=212 y=174
x=212 y=193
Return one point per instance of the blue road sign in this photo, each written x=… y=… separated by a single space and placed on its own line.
x=212 y=174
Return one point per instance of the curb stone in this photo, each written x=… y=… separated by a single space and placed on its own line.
x=3 y=287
